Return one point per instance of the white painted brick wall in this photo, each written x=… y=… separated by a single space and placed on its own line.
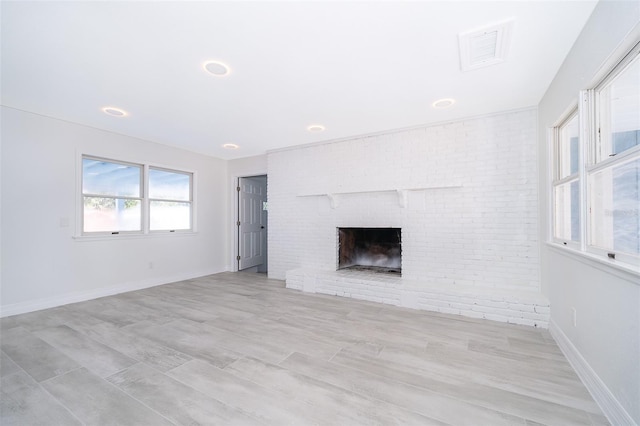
x=482 y=234
x=514 y=307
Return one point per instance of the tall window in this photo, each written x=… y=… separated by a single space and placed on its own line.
x=121 y=197
x=614 y=174
x=566 y=182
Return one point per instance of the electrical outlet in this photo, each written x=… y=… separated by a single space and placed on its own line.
x=574 y=316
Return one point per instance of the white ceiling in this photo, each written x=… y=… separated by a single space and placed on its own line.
x=354 y=67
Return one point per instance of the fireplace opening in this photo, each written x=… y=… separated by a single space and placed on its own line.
x=372 y=249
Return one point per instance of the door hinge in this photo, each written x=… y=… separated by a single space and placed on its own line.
x=238 y=223
x=238 y=257
x=238 y=188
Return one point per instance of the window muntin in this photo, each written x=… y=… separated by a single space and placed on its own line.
x=112 y=196
x=170 y=196
x=566 y=184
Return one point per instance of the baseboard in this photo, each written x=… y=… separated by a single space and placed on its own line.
x=81 y=296
x=610 y=406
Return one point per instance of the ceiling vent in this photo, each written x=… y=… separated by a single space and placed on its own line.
x=485 y=46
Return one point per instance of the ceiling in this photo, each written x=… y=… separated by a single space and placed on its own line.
x=353 y=67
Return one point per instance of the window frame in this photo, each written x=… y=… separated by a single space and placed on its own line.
x=145 y=201
x=83 y=195
x=149 y=199
x=597 y=162
x=591 y=162
x=557 y=180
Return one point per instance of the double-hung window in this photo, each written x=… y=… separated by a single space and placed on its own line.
x=613 y=174
x=170 y=198
x=120 y=197
x=112 y=196
x=596 y=168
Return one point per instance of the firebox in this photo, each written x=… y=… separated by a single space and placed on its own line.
x=373 y=249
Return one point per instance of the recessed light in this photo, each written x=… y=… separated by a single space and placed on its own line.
x=216 y=68
x=443 y=103
x=230 y=146
x=316 y=128
x=115 y=112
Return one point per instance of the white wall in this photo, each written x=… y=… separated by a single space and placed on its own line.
x=248 y=166
x=481 y=232
x=605 y=345
x=43 y=265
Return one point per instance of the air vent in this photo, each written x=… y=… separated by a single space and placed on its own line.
x=485 y=46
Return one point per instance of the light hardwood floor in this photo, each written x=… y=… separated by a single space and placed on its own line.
x=237 y=348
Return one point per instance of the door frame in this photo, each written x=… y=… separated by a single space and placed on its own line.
x=236 y=215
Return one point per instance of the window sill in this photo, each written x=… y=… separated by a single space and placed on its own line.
x=622 y=270
x=132 y=236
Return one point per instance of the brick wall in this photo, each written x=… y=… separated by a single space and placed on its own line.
x=511 y=306
x=467 y=204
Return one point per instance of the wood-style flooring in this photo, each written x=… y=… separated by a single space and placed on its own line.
x=237 y=348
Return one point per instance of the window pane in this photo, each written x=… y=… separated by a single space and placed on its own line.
x=108 y=178
x=569 y=148
x=567 y=211
x=615 y=208
x=623 y=97
x=111 y=214
x=168 y=215
x=167 y=185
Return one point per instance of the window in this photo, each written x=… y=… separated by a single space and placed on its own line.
x=566 y=183
x=169 y=200
x=112 y=196
x=614 y=174
x=596 y=172
x=121 y=197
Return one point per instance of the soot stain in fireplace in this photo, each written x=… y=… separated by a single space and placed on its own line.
x=370 y=249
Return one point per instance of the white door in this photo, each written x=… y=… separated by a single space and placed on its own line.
x=252 y=232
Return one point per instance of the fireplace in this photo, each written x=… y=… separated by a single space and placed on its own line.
x=370 y=249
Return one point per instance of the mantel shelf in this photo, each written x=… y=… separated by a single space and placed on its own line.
x=402 y=193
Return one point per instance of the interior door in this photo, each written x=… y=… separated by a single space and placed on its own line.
x=252 y=232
